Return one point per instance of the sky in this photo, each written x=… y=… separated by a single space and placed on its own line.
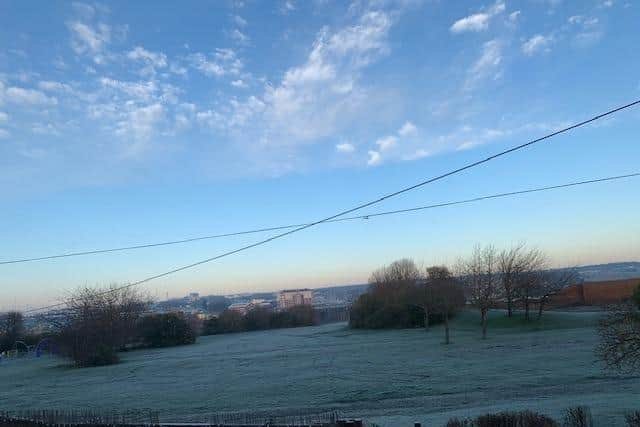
x=136 y=122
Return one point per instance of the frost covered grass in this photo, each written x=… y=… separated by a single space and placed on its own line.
x=390 y=377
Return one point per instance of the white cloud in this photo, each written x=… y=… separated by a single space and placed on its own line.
x=221 y=62
x=316 y=97
x=478 y=21
x=52 y=86
x=287 y=6
x=536 y=44
x=23 y=96
x=239 y=20
x=86 y=39
x=374 y=158
x=4 y=117
x=514 y=16
x=487 y=65
x=418 y=154
x=345 y=148
x=140 y=123
x=4 y=134
x=387 y=142
x=151 y=60
x=407 y=129
x=587 y=30
x=239 y=83
x=239 y=36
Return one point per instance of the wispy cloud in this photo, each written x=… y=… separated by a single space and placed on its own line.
x=345 y=147
x=22 y=96
x=488 y=65
x=537 y=44
x=478 y=21
x=374 y=158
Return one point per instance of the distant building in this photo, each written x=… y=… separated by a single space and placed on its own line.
x=240 y=307
x=292 y=297
x=193 y=297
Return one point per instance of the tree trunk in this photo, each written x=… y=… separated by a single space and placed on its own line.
x=541 y=307
x=526 y=307
x=484 y=324
x=446 y=327
x=509 y=305
x=426 y=319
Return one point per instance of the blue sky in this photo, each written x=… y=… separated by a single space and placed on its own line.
x=128 y=122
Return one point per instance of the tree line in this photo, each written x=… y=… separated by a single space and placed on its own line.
x=403 y=295
x=99 y=323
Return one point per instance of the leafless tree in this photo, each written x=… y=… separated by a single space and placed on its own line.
x=480 y=274
x=401 y=271
x=445 y=294
x=100 y=321
x=619 y=346
x=530 y=276
x=510 y=262
x=552 y=282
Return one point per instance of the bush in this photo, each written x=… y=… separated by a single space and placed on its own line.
x=506 y=419
x=636 y=296
x=633 y=419
x=579 y=416
x=258 y=319
x=99 y=322
x=166 y=330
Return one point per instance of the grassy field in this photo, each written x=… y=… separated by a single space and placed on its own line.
x=389 y=377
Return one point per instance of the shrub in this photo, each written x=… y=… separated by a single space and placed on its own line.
x=259 y=319
x=633 y=419
x=166 y=330
x=578 y=416
x=506 y=419
x=99 y=322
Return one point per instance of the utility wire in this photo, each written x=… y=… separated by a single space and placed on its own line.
x=350 y=218
x=366 y=204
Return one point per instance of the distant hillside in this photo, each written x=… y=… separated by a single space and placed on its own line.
x=349 y=293
x=613 y=271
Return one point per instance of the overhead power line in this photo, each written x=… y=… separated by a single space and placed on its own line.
x=350 y=218
x=366 y=204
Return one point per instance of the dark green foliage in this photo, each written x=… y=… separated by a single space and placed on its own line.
x=259 y=319
x=505 y=419
x=11 y=329
x=636 y=296
x=166 y=330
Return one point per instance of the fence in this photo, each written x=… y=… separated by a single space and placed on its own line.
x=146 y=417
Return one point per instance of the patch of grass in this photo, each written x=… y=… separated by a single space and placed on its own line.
x=469 y=319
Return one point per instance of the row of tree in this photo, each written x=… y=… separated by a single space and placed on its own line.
x=516 y=275
x=258 y=319
x=402 y=295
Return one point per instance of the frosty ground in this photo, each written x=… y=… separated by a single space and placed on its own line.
x=392 y=377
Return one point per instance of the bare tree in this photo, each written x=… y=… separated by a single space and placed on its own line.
x=530 y=275
x=510 y=262
x=480 y=275
x=401 y=271
x=446 y=294
x=98 y=322
x=552 y=282
x=619 y=346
